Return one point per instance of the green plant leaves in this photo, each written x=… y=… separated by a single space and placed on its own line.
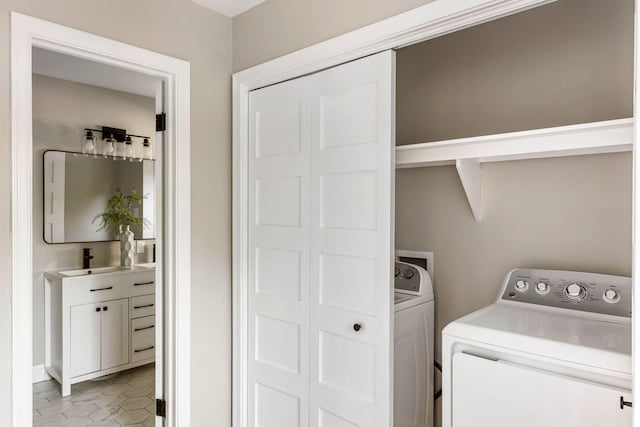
x=119 y=212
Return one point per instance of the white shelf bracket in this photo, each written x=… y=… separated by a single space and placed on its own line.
x=470 y=173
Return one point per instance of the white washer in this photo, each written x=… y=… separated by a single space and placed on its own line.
x=414 y=328
x=553 y=350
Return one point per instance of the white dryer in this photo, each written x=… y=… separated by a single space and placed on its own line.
x=553 y=350
x=413 y=354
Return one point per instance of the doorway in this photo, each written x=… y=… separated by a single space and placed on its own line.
x=170 y=208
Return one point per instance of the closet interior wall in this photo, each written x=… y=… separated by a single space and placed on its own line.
x=564 y=63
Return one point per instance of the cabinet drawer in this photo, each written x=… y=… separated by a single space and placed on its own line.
x=143 y=306
x=143 y=338
x=89 y=289
x=143 y=283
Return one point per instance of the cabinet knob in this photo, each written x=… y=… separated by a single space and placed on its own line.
x=97 y=308
x=105 y=308
x=357 y=327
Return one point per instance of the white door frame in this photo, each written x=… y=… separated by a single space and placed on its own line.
x=426 y=22
x=28 y=32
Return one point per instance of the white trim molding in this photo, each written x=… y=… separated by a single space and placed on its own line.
x=635 y=233
x=26 y=33
x=39 y=374
x=426 y=22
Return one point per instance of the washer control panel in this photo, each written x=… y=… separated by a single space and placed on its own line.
x=412 y=279
x=589 y=292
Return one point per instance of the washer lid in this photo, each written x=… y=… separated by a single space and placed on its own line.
x=404 y=301
x=589 y=341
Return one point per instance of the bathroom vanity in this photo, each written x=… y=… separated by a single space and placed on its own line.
x=98 y=321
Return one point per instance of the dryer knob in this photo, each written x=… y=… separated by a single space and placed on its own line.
x=522 y=285
x=575 y=292
x=397 y=272
x=611 y=295
x=408 y=274
x=542 y=288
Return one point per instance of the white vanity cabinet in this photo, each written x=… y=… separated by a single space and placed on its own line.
x=98 y=324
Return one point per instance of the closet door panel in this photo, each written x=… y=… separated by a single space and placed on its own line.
x=279 y=150
x=351 y=227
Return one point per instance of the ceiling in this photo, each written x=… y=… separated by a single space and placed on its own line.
x=230 y=8
x=66 y=67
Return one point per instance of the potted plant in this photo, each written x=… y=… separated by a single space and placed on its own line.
x=118 y=217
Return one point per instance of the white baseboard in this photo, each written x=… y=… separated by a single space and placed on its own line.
x=39 y=374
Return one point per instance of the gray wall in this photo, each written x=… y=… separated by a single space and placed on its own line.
x=61 y=110
x=278 y=27
x=564 y=63
x=184 y=30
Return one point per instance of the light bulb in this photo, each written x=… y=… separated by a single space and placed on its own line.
x=109 y=147
x=89 y=145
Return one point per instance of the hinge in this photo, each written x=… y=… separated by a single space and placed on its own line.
x=161 y=122
x=161 y=408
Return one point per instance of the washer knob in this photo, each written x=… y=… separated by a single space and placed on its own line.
x=575 y=292
x=408 y=274
x=611 y=295
x=522 y=285
x=542 y=288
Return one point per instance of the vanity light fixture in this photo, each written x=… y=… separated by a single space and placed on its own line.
x=117 y=143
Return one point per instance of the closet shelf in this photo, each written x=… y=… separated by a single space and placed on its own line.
x=468 y=154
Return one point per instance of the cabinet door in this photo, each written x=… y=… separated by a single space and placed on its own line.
x=115 y=333
x=85 y=339
x=352 y=214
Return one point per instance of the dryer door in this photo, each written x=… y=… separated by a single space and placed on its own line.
x=503 y=394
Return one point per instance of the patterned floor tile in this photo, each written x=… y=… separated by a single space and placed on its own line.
x=127 y=398
x=136 y=416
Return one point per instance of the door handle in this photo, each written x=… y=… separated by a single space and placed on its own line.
x=357 y=327
x=624 y=403
x=142 y=329
x=142 y=349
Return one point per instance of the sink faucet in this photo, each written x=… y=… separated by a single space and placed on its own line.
x=86 y=258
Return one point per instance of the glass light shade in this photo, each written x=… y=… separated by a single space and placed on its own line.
x=89 y=144
x=119 y=150
x=109 y=147
x=146 y=150
x=128 y=149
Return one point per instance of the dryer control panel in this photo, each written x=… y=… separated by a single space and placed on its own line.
x=588 y=292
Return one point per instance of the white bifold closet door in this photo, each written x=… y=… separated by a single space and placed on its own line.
x=321 y=215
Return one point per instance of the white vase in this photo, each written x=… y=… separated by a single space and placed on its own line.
x=126 y=247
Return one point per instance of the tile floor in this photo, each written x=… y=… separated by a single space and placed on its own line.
x=126 y=399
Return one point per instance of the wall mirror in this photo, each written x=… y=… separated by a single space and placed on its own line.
x=77 y=188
